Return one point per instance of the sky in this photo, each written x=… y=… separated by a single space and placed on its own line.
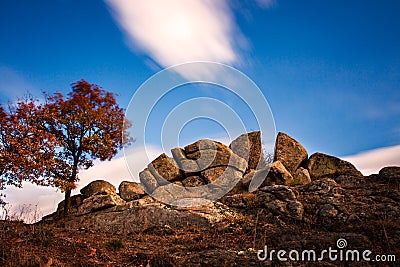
x=330 y=70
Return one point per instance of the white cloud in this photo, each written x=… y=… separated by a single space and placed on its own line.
x=46 y=199
x=177 y=31
x=116 y=170
x=372 y=161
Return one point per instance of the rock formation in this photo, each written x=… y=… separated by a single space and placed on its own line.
x=322 y=166
x=204 y=162
x=209 y=162
x=289 y=152
x=321 y=195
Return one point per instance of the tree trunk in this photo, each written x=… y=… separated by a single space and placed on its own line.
x=67 y=203
x=67 y=200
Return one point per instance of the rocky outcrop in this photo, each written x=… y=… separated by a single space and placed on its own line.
x=206 y=168
x=188 y=166
x=325 y=166
x=164 y=169
x=294 y=186
x=302 y=204
x=204 y=162
x=148 y=181
x=390 y=173
x=289 y=152
x=99 y=202
x=215 y=158
x=129 y=191
x=97 y=187
x=249 y=146
x=301 y=177
x=278 y=175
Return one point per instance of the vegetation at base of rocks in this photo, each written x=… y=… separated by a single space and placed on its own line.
x=226 y=244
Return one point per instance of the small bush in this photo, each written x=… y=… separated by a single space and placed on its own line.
x=114 y=244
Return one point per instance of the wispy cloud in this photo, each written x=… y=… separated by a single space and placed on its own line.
x=175 y=31
x=13 y=85
x=372 y=161
x=266 y=3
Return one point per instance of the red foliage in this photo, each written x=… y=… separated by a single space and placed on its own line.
x=49 y=143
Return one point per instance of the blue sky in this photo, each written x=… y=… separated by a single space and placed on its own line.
x=330 y=70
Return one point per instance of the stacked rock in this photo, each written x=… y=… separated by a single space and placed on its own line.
x=209 y=170
x=204 y=163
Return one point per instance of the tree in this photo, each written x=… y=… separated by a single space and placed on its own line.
x=48 y=143
x=26 y=149
x=87 y=125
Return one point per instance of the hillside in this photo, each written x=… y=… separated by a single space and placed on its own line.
x=301 y=203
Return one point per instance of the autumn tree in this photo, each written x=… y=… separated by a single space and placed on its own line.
x=87 y=125
x=26 y=149
x=48 y=142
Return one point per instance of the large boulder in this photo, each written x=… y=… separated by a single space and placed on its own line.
x=301 y=177
x=165 y=168
x=98 y=187
x=222 y=175
x=289 y=152
x=163 y=194
x=278 y=175
x=215 y=158
x=391 y=173
x=99 y=202
x=325 y=166
x=205 y=144
x=249 y=147
x=169 y=193
x=188 y=166
x=178 y=154
x=208 y=154
x=149 y=216
x=129 y=191
x=148 y=181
